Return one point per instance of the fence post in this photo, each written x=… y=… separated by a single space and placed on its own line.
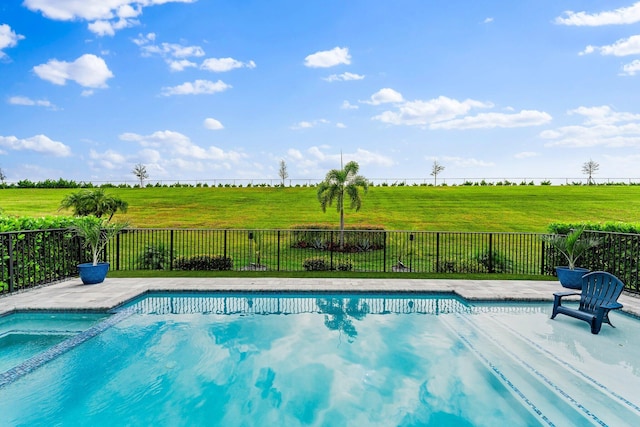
x=117 y=251
x=437 y=252
x=384 y=253
x=331 y=250
x=278 y=268
x=171 y=250
x=491 y=253
x=11 y=277
x=542 y=257
x=224 y=245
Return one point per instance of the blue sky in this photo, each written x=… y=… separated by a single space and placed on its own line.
x=204 y=90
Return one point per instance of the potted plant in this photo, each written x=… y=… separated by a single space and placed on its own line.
x=572 y=245
x=95 y=234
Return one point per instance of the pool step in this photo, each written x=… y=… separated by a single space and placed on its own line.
x=533 y=373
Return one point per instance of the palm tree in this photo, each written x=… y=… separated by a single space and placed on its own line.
x=93 y=202
x=338 y=184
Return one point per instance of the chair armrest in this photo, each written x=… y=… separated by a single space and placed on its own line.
x=566 y=294
x=612 y=306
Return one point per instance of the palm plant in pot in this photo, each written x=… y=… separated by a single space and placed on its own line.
x=95 y=234
x=573 y=246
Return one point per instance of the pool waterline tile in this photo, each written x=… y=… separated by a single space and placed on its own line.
x=72 y=295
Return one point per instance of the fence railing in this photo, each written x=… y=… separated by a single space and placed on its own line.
x=32 y=258
x=314 y=250
x=37 y=257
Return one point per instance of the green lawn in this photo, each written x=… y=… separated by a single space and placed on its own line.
x=460 y=208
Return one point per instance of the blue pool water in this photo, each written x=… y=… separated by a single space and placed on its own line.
x=332 y=360
x=23 y=335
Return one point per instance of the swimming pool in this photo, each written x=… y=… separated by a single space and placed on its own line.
x=23 y=335
x=247 y=359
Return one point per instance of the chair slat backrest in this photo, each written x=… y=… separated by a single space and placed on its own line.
x=599 y=288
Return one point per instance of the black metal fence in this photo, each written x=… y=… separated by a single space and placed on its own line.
x=316 y=250
x=31 y=258
x=37 y=257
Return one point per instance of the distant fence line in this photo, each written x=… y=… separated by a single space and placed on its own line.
x=32 y=258
x=298 y=182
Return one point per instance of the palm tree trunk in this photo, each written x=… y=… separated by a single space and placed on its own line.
x=341 y=228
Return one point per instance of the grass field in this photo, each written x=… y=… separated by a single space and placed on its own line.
x=460 y=208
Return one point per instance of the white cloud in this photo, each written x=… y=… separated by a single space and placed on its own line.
x=423 y=113
x=8 y=38
x=631 y=68
x=197 y=87
x=343 y=77
x=109 y=28
x=173 y=50
x=328 y=58
x=309 y=124
x=109 y=159
x=341 y=125
x=346 y=105
x=88 y=71
x=295 y=154
x=384 y=96
x=623 y=15
x=144 y=39
x=487 y=20
x=622 y=47
x=496 y=120
x=467 y=162
x=23 y=100
x=315 y=161
x=601 y=127
x=38 y=143
x=180 y=65
x=174 y=54
x=177 y=144
x=212 y=124
x=526 y=155
x=221 y=65
x=603 y=115
x=105 y=16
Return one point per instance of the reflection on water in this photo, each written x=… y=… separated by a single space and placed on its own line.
x=184 y=359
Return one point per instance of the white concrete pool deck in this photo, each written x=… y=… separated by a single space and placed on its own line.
x=73 y=295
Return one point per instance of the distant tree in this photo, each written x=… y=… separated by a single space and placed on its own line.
x=283 y=171
x=140 y=171
x=340 y=183
x=3 y=177
x=590 y=168
x=93 y=202
x=436 y=168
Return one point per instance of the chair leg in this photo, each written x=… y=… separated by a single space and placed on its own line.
x=605 y=319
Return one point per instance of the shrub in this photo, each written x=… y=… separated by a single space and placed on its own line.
x=464 y=265
x=345 y=266
x=155 y=257
x=316 y=264
x=494 y=262
x=204 y=262
x=361 y=238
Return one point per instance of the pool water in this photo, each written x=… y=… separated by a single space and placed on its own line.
x=336 y=360
x=23 y=335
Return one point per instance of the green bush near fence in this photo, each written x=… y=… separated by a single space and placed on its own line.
x=617 y=255
x=362 y=238
x=11 y=223
x=321 y=264
x=494 y=261
x=155 y=257
x=204 y=263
